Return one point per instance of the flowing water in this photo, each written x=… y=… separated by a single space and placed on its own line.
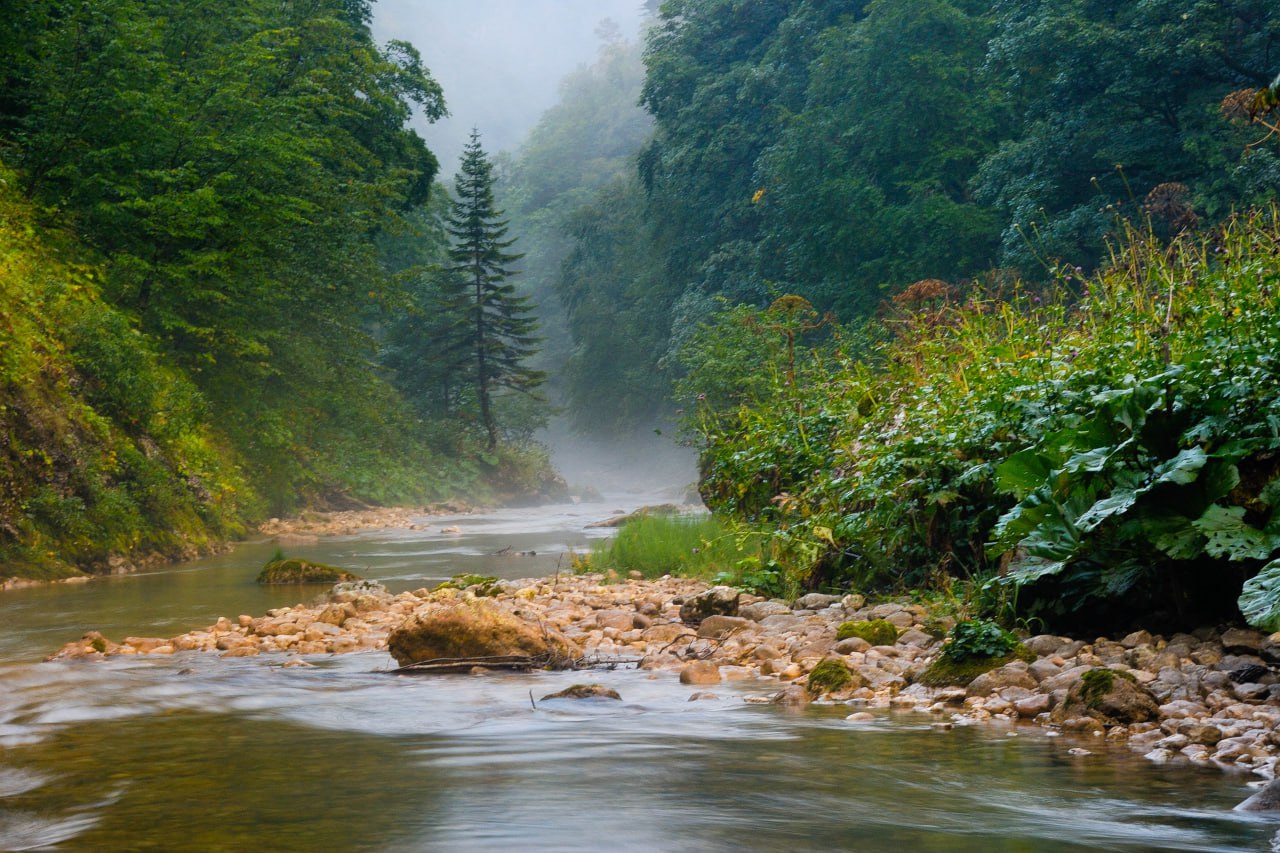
x=198 y=753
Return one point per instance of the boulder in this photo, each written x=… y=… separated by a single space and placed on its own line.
x=700 y=672
x=816 y=601
x=717 y=601
x=720 y=627
x=1112 y=697
x=1266 y=800
x=763 y=609
x=475 y=628
x=1013 y=674
x=1243 y=641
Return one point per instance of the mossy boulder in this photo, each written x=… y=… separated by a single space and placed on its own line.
x=303 y=571
x=469 y=629
x=877 y=632
x=832 y=675
x=1110 y=696
x=945 y=672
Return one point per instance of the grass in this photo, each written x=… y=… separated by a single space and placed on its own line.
x=688 y=545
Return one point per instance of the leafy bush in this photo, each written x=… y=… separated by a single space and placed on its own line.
x=978 y=638
x=1103 y=447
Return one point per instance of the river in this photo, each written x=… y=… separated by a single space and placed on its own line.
x=198 y=753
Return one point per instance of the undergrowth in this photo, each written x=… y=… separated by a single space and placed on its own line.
x=1103 y=446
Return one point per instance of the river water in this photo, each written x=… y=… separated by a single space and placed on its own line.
x=198 y=753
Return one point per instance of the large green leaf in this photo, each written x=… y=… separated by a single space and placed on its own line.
x=1118 y=502
x=1181 y=469
x=1260 y=599
x=1230 y=537
x=1023 y=472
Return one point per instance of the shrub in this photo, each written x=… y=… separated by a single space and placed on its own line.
x=1103 y=446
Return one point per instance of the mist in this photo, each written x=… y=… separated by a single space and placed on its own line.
x=500 y=62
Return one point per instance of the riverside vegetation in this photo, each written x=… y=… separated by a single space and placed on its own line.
x=218 y=238
x=1098 y=453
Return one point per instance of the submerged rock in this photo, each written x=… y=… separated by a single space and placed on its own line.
x=475 y=628
x=585 y=691
x=302 y=571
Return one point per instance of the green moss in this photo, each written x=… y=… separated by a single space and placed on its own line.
x=829 y=676
x=303 y=571
x=1098 y=682
x=484 y=585
x=945 y=672
x=877 y=632
x=99 y=645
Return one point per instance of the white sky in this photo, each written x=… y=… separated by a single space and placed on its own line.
x=500 y=61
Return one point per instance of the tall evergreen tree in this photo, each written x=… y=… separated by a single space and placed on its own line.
x=503 y=332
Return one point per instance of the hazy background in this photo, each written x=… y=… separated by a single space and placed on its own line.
x=500 y=61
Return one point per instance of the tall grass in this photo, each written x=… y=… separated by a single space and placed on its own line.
x=698 y=546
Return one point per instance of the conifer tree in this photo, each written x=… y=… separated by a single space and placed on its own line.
x=502 y=330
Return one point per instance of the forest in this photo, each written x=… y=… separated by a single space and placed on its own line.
x=971 y=297
x=963 y=296
x=227 y=272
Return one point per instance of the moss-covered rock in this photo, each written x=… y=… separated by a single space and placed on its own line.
x=303 y=571
x=945 y=672
x=1111 y=696
x=830 y=676
x=481 y=585
x=877 y=632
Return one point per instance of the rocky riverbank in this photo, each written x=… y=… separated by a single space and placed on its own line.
x=312 y=524
x=1210 y=697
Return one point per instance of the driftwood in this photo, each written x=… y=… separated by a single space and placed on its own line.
x=520 y=663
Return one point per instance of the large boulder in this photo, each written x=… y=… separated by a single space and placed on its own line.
x=467 y=629
x=1112 y=697
x=717 y=601
x=1266 y=800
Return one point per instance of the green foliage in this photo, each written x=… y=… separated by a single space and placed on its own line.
x=877 y=632
x=1260 y=600
x=107 y=450
x=843 y=150
x=978 y=638
x=1105 y=446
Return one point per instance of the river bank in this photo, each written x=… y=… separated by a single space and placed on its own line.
x=1217 y=696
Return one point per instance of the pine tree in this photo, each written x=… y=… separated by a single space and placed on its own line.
x=502 y=329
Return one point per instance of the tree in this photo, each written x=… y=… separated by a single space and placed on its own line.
x=502 y=331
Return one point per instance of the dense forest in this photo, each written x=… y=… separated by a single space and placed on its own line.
x=842 y=150
x=954 y=295
x=219 y=236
